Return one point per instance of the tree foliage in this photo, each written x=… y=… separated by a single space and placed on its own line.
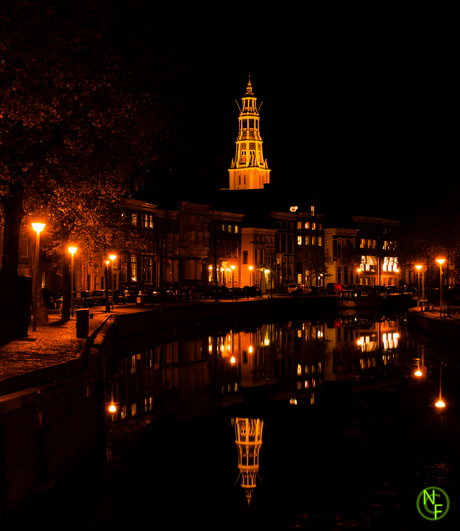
x=77 y=131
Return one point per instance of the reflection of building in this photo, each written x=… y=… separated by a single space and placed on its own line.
x=355 y=344
x=249 y=170
x=248 y=439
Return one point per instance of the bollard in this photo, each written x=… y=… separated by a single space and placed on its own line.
x=83 y=323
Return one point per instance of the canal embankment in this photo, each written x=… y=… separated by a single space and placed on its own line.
x=445 y=329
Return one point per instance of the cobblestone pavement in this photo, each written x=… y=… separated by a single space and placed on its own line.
x=49 y=345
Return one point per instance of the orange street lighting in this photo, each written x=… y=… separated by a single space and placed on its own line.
x=418 y=268
x=38 y=227
x=112 y=257
x=72 y=250
x=112 y=408
x=418 y=373
x=440 y=262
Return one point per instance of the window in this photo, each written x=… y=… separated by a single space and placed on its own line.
x=320 y=241
x=134 y=268
x=299 y=224
x=223 y=226
x=237 y=229
x=229 y=228
x=307 y=240
x=134 y=219
x=312 y=210
x=299 y=240
x=313 y=226
x=307 y=224
x=245 y=257
x=313 y=240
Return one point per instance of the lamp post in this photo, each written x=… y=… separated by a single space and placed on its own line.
x=106 y=274
x=359 y=272
x=232 y=267
x=112 y=257
x=38 y=227
x=250 y=274
x=418 y=267
x=72 y=250
x=440 y=262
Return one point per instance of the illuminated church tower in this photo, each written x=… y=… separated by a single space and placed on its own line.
x=249 y=169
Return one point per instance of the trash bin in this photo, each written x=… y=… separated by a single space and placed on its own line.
x=83 y=322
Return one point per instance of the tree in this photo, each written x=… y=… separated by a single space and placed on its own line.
x=317 y=264
x=76 y=132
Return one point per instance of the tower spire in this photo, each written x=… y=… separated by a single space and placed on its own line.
x=249 y=170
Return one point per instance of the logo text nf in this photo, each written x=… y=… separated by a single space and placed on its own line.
x=430 y=503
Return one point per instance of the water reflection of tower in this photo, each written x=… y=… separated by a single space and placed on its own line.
x=248 y=439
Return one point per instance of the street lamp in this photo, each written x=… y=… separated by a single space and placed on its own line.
x=232 y=267
x=106 y=274
x=418 y=267
x=250 y=274
x=359 y=272
x=72 y=250
x=440 y=262
x=38 y=227
x=112 y=257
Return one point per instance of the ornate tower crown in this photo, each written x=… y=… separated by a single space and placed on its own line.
x=249 y=170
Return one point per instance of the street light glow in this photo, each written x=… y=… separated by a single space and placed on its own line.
x=38 y=227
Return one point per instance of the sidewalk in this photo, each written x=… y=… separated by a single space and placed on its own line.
x=52 y=344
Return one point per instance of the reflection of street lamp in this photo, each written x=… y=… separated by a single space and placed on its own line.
x=72 y=251
x=38 y=227
x=440 y=403
x=440 y=262
x=112 y=257
x=418 y=267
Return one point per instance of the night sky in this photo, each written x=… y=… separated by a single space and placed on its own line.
x=360 y=102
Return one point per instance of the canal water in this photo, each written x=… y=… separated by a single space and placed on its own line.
x=313 y=424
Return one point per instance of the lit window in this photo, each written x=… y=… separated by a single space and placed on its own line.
x=320 y=240
x=134 y=219
x=299 y=224
x=229 y=228
x=299 y=369
x=313 y=226
x=307 y=224
x=236 y=229
x=134 y=268
x=313 y=240
x=299 y=240
x=307 y=240
x=312 y=210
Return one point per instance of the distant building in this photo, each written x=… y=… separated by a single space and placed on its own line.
x=258 y=257
x=378 y=247
x=340 y=244
x=249 y=170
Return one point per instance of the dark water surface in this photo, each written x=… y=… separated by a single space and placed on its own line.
x=363 y=440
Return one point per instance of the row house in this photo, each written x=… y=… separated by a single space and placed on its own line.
x=184 y=247
x=258 y=257
x=299 y=247
x=378 y=248
x=366 y=254
x=340 y=244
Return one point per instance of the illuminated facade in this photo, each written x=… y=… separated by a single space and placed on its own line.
x=249 y=170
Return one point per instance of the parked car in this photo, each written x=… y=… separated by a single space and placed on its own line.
x=88 y=300
x=98 y=296
x=51 y=298
x=252 y=291
x=130 y=294
x=197 y=292
x=220 y=292
x=118 y=297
